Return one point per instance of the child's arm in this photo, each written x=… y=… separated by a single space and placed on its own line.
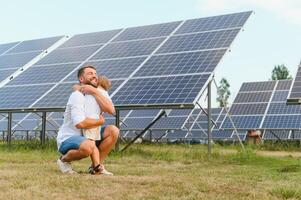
x=104 y=103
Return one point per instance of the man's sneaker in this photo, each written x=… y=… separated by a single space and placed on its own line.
x=99 y=170
x=65 y=167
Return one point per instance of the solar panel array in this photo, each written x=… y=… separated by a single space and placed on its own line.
x=13 y=56
x=295 y=92
x=262 y=105
x=155 y=65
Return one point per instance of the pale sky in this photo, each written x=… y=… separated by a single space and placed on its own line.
x=271 y=36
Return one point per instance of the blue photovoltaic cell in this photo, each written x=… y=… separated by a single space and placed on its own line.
x=280 y=96
x=282 y=108
x=144 y=113
x=221 y=134
x=69 y=55
x=258 y=86
x=28 y=125
x=180 y=112
x=253 y=97
x=170 y=123
x=182 y=63
x=21 y=97
x=199 y=41
x=243 y=122
x=5 y=73
x=282 y=122
x=248 y=109
x=162 y=90
x=90 y=38
x=214 y=23
x=136 y=123
x=275 y=134
x=43 y=74
x=295 y=92
x=7 y=46
x=16 y=60
x=117 y=68
x=142 y=32
x=296 y=134
x=35 y=45
x=284 y=85
x=127 y=49
x=204 y=118
x=155 y=134
x=241 y=136
x=59 y=96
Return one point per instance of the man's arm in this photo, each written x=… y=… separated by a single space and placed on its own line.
x=104 y=103
x=79 y=119
x=90 y=123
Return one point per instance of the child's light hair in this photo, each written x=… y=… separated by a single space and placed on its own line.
x=104 y=82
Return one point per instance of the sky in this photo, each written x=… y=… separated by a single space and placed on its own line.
x=271 y=36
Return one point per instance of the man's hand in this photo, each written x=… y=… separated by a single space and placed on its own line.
x=76 y=87
x=102 y=119
x=87 y=89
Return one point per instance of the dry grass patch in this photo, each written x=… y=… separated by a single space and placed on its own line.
x=151 y=172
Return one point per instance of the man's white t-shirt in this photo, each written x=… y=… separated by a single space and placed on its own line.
x=78 y=108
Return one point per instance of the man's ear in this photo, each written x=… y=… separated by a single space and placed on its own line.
x=81 y=79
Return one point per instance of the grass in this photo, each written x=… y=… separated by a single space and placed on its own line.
x=150 y=171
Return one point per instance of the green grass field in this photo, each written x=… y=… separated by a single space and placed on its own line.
x=151 y=172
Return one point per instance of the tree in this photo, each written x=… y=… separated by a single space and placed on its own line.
x=280 y=72
x=223 y=92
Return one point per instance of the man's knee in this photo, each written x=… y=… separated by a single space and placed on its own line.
x=114 y=131
x=86 y=147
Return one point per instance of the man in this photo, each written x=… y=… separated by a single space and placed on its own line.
x=71 y=143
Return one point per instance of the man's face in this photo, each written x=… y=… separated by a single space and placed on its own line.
x=89 y=77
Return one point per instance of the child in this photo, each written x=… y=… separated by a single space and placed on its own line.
x=104 y=84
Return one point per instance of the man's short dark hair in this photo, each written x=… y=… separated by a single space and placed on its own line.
x=82 y=69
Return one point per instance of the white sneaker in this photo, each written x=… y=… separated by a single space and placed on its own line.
x=105 y=172
x=65 y=167
x=100 y=171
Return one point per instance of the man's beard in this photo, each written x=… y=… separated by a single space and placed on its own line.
x=89 y=83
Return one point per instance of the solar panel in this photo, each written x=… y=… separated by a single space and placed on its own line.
x=5 y=47
x=21 y=97
x=43 y=74
x=68 y=55
x=150 y=31
x=214 y=23
x=264 y=107
x=170 y=123
x=34 y=45
x=134 y=58
x=295 y=91
x=128 y=49
x=161 y=90
x=250 y=105
x=58 y=97
x=199 y=41
x=276 y=134
x=113 y=69
x=9 y=61
x=6 y=73
x=181 y=63
x=90 y=38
